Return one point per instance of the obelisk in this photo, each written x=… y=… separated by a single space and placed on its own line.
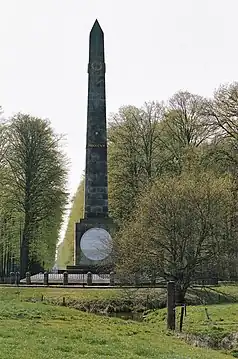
x=96 y=188
x=93 y=242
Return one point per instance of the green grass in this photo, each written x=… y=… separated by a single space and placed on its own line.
x=97 y=300
x=222 y=317
x=91 y=300
x=209 y=323
x=213 y=295
x=29 y=292
x=42 y=331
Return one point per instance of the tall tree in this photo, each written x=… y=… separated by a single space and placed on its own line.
x=9 y=218
x=178 y=227
x=223 y=110
x=223 y=113
x=186 y=120
x=38 y=170
x=188 y=134
x=183 y=129
x=133 y=155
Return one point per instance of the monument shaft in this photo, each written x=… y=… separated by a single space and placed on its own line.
x=96 y=184
x=92 y=251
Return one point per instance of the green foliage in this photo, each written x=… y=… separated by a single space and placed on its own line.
x=159 y=143
x=222 y=110
x=133 y=155
x=178 y=226
x=33 y=193
x=66 y=248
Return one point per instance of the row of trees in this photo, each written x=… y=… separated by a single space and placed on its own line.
x=173 y=187
x=33 y=177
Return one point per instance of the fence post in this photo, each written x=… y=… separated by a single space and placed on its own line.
x=89 y=279
x=181 y=317
x=171 y=305
x=46 y=278
x=17 y=278
x=137 y=279
x=153 y=279
x=28 y=278
x=112 y=278
x=12 y=278
x=65 y=278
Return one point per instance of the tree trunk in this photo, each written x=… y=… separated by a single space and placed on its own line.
x=180 y=294
x=35 y=266
x=24 y=258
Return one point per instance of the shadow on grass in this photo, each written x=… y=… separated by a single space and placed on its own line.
x=209 y=295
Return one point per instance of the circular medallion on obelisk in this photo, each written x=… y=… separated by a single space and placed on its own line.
x=96 y=244
x=96 y=65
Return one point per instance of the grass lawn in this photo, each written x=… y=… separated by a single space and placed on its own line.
x=42 y=331
x=135 y=299
x=214 y=322
x=91 y=300
x=23 y=293
x=213 y=295
x=221 y=318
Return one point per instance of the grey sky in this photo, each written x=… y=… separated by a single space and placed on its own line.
x=153 y=49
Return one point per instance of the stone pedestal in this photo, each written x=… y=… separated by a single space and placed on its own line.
x=81 y=262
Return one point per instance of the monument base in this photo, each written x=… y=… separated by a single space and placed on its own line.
x=80 y=269
x=82 y=264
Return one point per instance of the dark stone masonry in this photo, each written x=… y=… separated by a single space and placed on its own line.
x=96 y=183
x=96 y=188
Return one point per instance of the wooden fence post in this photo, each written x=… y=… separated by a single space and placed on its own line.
x=17 y=278
x=171 y=305
x=89 y=279
x=65 y=278
x=181 y=317
x=12 y=278
x=112 y=278
x=28 y=278
x=137 y=279
x=46 y=278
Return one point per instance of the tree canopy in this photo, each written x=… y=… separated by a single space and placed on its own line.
x=173 y=185
x=33 y=193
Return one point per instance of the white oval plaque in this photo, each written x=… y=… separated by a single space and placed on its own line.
x=96 y=244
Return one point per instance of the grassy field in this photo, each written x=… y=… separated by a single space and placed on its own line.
x=214 y=324
x=97 y=300
x=220 y=318
x=39 y=331
x=23 y=293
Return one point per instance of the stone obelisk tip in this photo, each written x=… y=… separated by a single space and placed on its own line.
x=96 y=43
x=96 y=27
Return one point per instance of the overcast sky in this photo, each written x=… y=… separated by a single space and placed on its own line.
x=153 y=48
